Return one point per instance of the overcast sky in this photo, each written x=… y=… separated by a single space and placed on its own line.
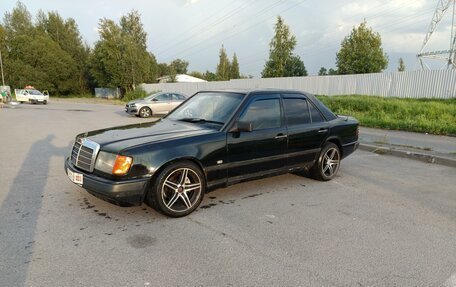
x=194 y=30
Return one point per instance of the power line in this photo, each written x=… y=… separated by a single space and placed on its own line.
x=192 y=28
x=334 y=44
x=204 y=41
x=210 y=26
x=248 y=27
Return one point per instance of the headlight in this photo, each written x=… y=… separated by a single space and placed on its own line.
x=112 y=163
x=122 y=165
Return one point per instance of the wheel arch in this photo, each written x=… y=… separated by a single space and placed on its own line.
x=335 y=140
x=164 y=165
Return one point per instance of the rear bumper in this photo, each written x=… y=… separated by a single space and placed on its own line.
x=123 y=193
x=349 y=148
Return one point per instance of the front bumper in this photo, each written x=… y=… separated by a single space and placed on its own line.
x=131 y=110
x=123 y=193
x=40 y=100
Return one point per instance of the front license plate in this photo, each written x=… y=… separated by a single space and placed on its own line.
x=75 y=177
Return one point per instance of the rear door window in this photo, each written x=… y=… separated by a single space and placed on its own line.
x=296 y=111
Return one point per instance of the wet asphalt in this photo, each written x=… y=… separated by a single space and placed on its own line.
x=384 y=221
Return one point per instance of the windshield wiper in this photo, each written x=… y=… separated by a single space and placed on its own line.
x=199 y=120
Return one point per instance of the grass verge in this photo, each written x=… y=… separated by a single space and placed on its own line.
x=416 y=115
x=87 y=100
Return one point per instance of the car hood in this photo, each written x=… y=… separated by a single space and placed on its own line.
x=116 y=139
x=140 y=101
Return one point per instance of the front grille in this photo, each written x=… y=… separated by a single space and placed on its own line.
x=84 y=153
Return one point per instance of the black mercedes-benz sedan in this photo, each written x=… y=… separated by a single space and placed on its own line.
x=214 y=139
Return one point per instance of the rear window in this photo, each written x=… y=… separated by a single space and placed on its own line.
x=315 y=115
x=327 y=113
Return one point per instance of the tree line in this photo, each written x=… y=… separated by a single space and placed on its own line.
x=49 y=53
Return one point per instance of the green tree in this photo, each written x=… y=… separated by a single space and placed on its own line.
x=66 y=34
x=33 y=58
x=18 y=22
x=223 y=67
x=294 y=67
x=163 y=70
x=401 y=67
x=139 y=65
x=180 y=66
x=332 y=72
x=234 y=68
x=280 y=50
x=361 y=52
x=323 y=71
x=120 y=58
x=209 y=76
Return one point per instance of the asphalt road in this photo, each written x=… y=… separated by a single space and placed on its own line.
x=384 y=221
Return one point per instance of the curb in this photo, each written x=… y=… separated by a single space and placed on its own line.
x=428 y=158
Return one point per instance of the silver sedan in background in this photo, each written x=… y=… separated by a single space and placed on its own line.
x=158 y=103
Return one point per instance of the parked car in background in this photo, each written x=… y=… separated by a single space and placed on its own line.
x=154 y=104
x=214 y=139
x=32 y=96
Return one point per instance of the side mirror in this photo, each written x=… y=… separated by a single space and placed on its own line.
x=154 y=100
x=242 y=127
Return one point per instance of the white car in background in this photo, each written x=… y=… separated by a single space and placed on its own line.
x=159 y=103
x=31 y=95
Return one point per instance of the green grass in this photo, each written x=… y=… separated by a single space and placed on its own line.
x=72 y=96
x=417 y=115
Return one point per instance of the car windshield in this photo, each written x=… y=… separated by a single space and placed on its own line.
x=207 y=107
x=34 y=92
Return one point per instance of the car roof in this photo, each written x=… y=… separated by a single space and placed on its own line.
x=255 y=91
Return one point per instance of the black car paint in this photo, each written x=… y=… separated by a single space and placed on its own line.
x=225 y=157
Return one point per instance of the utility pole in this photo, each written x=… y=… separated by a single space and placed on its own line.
x=1 y=67
x=449 y=55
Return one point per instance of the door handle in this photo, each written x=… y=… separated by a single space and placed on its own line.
x=280 y=136
x=322 y=131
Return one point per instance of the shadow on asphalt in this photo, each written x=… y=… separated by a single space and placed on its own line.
x=20 y=210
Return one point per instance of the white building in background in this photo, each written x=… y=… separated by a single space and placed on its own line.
x=181 y=78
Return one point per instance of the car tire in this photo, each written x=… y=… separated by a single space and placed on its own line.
x=145 y=112
x=328 y=163
x=178 y=189
x=45 y=103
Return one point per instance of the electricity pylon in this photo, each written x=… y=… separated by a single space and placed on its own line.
x=449 y=56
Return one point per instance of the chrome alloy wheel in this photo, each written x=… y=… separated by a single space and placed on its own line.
x=331 y=161
x=181 y=189
x=144 y=112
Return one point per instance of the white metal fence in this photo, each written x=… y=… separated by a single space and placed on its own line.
x=414 y=84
